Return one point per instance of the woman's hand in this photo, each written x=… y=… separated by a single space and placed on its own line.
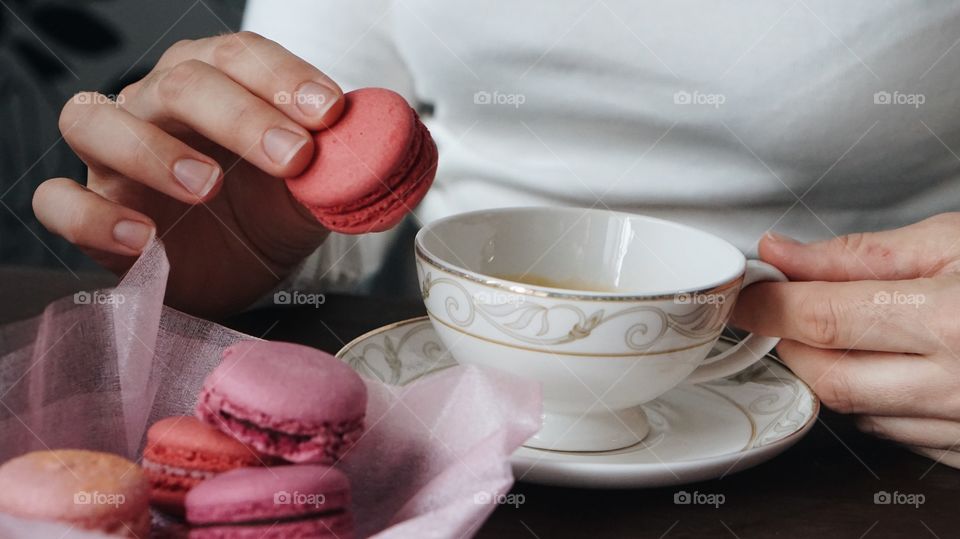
x=193 y=154
x=871 y=323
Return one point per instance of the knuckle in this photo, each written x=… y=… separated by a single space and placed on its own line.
x=177 y=50
x=173 y=84
x=232 y=47
x=74 y=109
x=75 y=226
x=870 y=425
x=142 y=155
x=249 y=38
x=820 y=319
x=836 y=392
x=129 y=91
x=245 y=117
x=852 y=243
x=290 y=74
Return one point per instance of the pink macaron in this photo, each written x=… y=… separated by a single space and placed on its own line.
x=286 y=400
x=265 y=503
x=371 y=167
x=85 y=489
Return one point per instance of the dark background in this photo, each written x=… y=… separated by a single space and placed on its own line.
x=49 y=50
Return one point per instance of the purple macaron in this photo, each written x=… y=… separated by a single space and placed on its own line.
x=286 y=400
x=267 y=503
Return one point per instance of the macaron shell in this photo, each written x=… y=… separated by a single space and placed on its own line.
x=337 y=526
x=257 y=494
x=371 y=167
x=188 y=443
x=182 y=451
x=91 y=490
x=288 y=384
x=360 y=151
x=388 y=206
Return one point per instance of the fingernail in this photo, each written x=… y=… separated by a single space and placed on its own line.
x=314 y=99
x=132 y=234
x=281 y=145
x=781 y=238
x=198 y=177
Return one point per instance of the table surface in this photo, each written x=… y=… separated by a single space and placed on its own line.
x=823 y=485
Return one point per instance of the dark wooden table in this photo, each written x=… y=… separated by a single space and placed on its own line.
x=822 y=487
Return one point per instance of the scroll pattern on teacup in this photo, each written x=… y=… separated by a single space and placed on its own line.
x=529 y=321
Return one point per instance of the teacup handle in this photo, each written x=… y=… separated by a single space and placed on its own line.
x=752 y=347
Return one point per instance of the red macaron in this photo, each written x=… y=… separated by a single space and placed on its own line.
x=371 y=167
x=183 y=451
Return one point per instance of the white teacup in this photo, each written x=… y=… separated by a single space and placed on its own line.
x=607 y=310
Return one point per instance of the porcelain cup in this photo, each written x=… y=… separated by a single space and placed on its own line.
x=607 y=310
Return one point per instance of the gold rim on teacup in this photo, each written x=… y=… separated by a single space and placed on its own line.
x=547 y=292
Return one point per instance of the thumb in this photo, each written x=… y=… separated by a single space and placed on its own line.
x=919 y=250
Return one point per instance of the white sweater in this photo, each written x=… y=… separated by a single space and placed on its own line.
x=811 y=117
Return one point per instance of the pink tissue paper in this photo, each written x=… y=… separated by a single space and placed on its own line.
x=95 y=375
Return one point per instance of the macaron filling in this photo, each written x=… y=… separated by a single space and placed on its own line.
x=325 y=443
x=176 y=471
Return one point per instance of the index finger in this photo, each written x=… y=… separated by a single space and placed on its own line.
x=883 y=316
x=269 y=71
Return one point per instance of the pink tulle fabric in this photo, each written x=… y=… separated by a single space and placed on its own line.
x=95 y=375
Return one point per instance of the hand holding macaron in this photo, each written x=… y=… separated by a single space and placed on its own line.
x=196 y=152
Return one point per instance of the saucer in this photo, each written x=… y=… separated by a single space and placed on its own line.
x=698 y=431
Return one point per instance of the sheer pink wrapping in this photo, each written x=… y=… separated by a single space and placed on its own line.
x=95 y=375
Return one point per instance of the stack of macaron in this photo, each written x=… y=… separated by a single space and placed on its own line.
x=257 y=461
x=371 y=167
